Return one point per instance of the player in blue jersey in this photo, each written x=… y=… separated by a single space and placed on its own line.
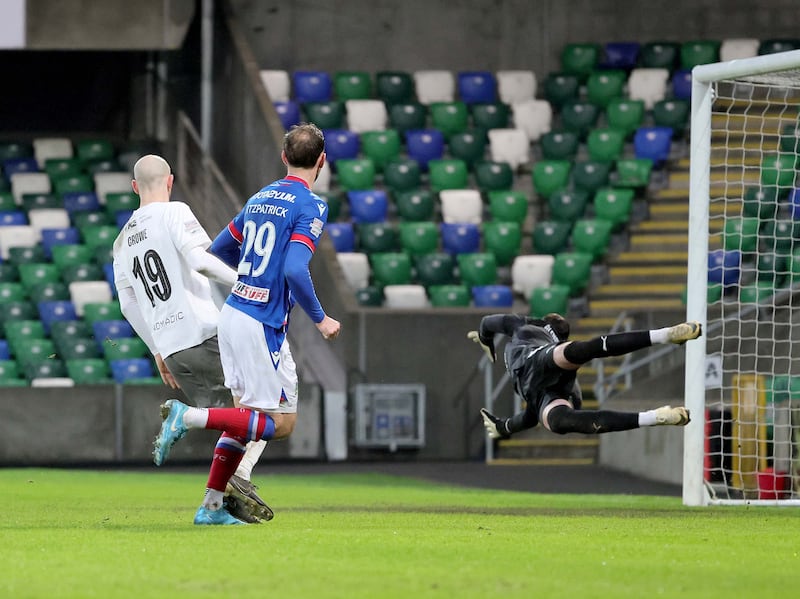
x=270 y=243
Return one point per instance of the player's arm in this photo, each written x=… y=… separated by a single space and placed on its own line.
x=227 y=245
x=300 y=284
x=210 y=266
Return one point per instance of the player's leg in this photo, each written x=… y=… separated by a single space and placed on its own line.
x=199 y=373
x=573 y=354
x=560 y=417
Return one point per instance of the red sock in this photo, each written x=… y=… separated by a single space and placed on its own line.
x=241 y=422
x=227 y=455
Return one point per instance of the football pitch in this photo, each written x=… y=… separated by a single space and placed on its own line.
x=84 y=534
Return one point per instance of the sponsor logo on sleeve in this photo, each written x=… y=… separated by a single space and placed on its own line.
x=316 y=227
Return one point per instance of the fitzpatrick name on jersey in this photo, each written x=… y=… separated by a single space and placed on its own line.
x=270 y=209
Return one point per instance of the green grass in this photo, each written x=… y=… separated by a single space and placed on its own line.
x=87 y=534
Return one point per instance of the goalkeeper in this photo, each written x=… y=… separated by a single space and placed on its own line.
x=543 y=364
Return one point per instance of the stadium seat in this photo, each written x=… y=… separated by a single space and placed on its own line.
x=9 y=273
x=327 y=115
x=699 y=52
x=33 y=273
x=503 y=239
x=778 y=235
x=89 y=371
x=559 y=145
x=408 y=116
x=407 y=297
x=391 y=268
x=469 y=146
x=51 y=147
x=488 y=116
x=764 y=201
x=414 y=205
x=402 y=175
x=73 y=183
x=33 y=349
x=17 y=310
x=740 y=233
x=88 y=219
x=288 y=112
x=620 y=55
x=625 y=115
x=560 y=88
x=131 y=370
x=377 y=237
x=352 y=85
x=660 y=55
x=477 y=268
x=368 y=205
x=591 y=236
x=449 y=117
x=71 y=254
x=342 y=236
x=435 y=268
x=579 y=117
x=633 y=173
x=46 y=372
x=590 y=175
x=15 y=149
x=548 y=300
x=311 y=86
x=613 y=205
x=508 y=206
x=447 y=173
x=477 y=87
x=724 y=267
x=12 y=292
x=604 y=86
x=105 y=183
x=434 y=86
x=648 y=85
x=323 y=182
x=79 y=201
x=95 y=311
x=8 y=204
x=529 y=272
x=653 y=143
x=122 y=348
x=356 y=174
x=771 y=268
x=424 y=145
x=738 y=48
x=418 y=238
x=682 y=84
x=89 y=291
x=63 y=331
x=48 y=218
x=773 y=45
x=550 y=176
x=580 y=59
x=277 y=84
x=778 y=169
x=366 y=115
x=14 y=219
x=17 y=330
x=449 y=296
x=492 y=296
x=493 y=176
x=755 y=293
x=381 y=147
x=22 y=183
x=13 y=166
x=355 y=267
x=50 y=311
x=550 y=236
x=394 y=87
x=605 y=144
x=22 y=254
x=63 y=167
x=341 y=144
x=535 y=117
x=10 y=375
x=672 y=113
x=572 y=269
x=515 y=85
x=461 y=206
x=369 y=296
x=66 y=235
x=459 y=238
x=334 y=201
x=78 y=349
x=510 y=146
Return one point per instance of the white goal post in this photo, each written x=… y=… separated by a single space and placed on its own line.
x=743 y=375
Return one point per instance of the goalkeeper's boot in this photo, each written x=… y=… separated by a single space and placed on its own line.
x=495 y=427
x=205 y=516
x=245 y=503
x=674 y=416
x=686 y=331
x=172 y=429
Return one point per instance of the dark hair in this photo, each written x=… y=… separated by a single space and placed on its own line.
x=303 y=145
x=559 y=325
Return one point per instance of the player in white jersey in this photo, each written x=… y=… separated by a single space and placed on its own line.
x=162 y=271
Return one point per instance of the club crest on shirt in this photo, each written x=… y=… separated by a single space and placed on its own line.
x=316 y=227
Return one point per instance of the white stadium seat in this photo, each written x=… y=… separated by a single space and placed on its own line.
x=534 y=117
x=48 y=218
x=509 y=145
x=648 y=85
x=355 y=266
x=22 y=183
x=516 y=86
x=88 y=292
x=434 y=86
x=531 y=271
x=323 y=182
x=736 y=48
x=16 y=236
x=45 y=148
x=461 y=206
x=114 y=182
x=366 y=115
x=405 y=296
x=277 y=84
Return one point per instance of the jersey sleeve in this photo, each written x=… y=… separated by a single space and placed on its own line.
x=310 y=223
x=187 y=232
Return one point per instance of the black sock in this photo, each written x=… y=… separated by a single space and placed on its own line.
x=618 y=344
x=520 y=422
x=563 y=419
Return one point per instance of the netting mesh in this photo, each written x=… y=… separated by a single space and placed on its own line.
x=753 y=318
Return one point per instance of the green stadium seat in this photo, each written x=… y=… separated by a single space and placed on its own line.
x=415 y=205
x=503 y=239
x=402 y=175
x=773 y=45
x=778 y=169
x=604 y=86
x=120 y=201
x=508 y=206
x=479 y=268
x=605 y=144
x=699 y=52
x=550 y=176
x=762 y=202
x=69 y=183
x=37 y=201
x=325 y=115
x=659 y=55
x=10 y=375
x=95 y=311
x=63 y=167
x=71 y=254
x=82 y=272
x=469 y=146
x=449 y=117
x=91 y=218
x=17 y=330
x=580 y=59
x=672 y=112
x=15 y=149
x=625 y=114
x=591 y=236
x=579 y=117
x=369 y=297
x=494 y=176
x=42 y=272
x=103 y=254
x=447 y=173
x=26 y=255
x=99 y=235
x=13 y=292
x=567 y=206
x=771 y=268
x=356 y=173
x=614 y=205
x=559 y=145
x=94 y=150
x=778 y=235
x=63 y=332
x=9 y=273
x=17 y=310
x=391 y=268
x=435 y=268
x=494 y=115
x=78 y=348
x=334 y=201
x=548 y=300
x=352 y=85
x=33 y=349
x=377 y=237
x=449 y=296
x=560 y=89
x=633 y=173
x=741 y=233
x=49 y=291
x=574 y=270
x=381 y=147
x=7 y=201
x=408 y=116
x=89 y=371
x=394 y=87
x=417 y=238
x=44 y=368
x=124 y=348
x=104 y=166
x=755 y=293
x=590 y=175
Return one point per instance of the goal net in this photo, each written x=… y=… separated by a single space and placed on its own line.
x=743 y=375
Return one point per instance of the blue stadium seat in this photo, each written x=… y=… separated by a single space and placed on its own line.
x=724 y=266
x=682 y=84
x=5 y=353
x=13 y=166
x=424 y=145
x=131 y=369
x=51 y=311
x=341 y=143
x=311 y=86
x=477 y=87
x=368 y=206
x=343 y=236
x=108 y=271
x=460 y=238
x=16 y=217
x=288 y=112
x=51 y=237
x=499 y=296
x=111 y=329
x=81 y=201
x=620 y=55
x=653 y=143
x=121 y=217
